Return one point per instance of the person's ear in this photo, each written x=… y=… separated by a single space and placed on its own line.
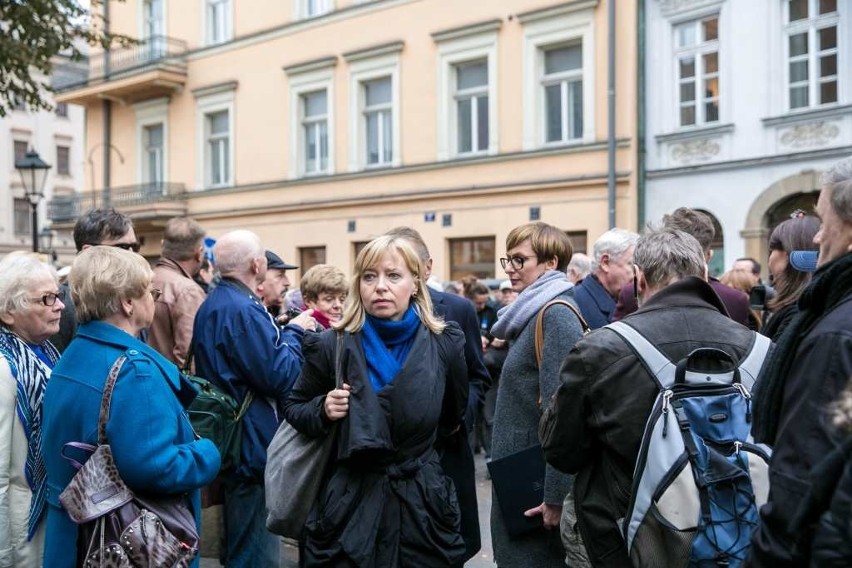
x=551 y=263
x=7 y=319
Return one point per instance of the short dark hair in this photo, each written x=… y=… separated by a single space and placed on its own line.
x=692 y=222
x=755 y=266
x=99 y=225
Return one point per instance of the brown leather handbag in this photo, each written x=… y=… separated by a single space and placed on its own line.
x=117 y=527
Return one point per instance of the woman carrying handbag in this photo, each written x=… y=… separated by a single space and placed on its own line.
x=384 y=499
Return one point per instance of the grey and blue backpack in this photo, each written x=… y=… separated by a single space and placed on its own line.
x=699 y=479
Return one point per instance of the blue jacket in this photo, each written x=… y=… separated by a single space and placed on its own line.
x=596 y=305
x=238 y=347
x=151 y=439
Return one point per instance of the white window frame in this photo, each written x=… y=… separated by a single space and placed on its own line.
x=66 y=144
x=206 y=105
x=302 y=83
x=541 y=34
x=452 y=52
x=811 y=25
x=697 y=51
x=301 y=8
x=227 y=25
x=360 y=72
x=143 y=30
x=563 y=79
x=150 y=113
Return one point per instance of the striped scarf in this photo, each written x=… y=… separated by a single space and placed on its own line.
x=31 y=375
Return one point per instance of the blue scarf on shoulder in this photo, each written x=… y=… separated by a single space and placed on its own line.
x=386 y=345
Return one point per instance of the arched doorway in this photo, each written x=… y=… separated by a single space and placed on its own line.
x=716 y=266
x=775 y=204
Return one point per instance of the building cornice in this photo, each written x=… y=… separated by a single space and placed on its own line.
x=216 y=89
x=674 y=7
x=692 y=133
x=560 y=9
x=804 y=116
x=312 y=65
x=374 y=51
x=467 y=30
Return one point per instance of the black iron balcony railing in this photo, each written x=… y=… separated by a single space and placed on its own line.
x=70 y=207
x=152 y=51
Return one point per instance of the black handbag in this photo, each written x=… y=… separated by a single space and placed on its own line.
x=295 y=468
x=117 y=527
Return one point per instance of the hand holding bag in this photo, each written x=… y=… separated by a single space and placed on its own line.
x=295 y=467
x=116 y=527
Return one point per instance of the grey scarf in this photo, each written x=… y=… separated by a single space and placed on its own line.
x=512 y=319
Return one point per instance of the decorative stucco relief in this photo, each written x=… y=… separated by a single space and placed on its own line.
x=693 y=151
x=810 y=134
x=669 y=7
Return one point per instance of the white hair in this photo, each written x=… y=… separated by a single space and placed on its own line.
x=614 y=243
x=19 y=271
x=234 y=252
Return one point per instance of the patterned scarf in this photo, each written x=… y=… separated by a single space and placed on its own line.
x=386 y=345
x=31 y=373
x=512 y=319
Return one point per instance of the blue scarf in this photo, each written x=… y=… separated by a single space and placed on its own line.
x=31 y=366
x=386 y=345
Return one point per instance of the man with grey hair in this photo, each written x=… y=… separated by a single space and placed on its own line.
x=611 y=269
x=579 y=267
x=811 y=366
x=599 y=412
x=180 y=297
x=239 y=348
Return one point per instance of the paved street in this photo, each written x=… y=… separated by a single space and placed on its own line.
x=289 y=556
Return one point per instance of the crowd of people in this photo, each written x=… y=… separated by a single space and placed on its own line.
x=556 y=357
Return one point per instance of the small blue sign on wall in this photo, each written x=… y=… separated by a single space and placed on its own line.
x=429 y=217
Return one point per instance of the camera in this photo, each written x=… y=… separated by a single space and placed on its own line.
x=757 y=297
x=292 y=312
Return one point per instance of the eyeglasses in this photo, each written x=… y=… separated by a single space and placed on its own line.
x=134 y=247
x=50 y=298
x=517 y=261
x=156 y=293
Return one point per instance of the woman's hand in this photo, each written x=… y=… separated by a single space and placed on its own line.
x=337 y=403
x=550 y=514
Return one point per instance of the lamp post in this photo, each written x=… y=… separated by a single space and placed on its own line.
x=45 y=238
x=33 y=172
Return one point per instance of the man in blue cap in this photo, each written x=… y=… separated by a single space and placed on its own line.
x=811 y=365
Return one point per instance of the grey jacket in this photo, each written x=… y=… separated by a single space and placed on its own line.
x=516 y=418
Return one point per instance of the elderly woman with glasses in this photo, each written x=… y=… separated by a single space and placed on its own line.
x=537 y=255
x=153 y=444
x=30 y=308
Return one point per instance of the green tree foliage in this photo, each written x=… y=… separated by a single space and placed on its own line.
x=33 y=33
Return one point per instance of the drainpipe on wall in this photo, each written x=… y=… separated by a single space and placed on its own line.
x=611 y=110
x=640 y=118
x=106 y=108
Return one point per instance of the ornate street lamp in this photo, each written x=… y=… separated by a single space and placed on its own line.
x=45 y=238
x=33 y=172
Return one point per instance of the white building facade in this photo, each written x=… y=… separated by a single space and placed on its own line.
x=747 y=102
x=58 y=137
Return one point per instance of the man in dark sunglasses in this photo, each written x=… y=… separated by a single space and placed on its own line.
x=96 y=227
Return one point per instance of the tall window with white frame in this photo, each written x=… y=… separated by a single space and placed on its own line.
x=153 y=155
x=315 y=130
x=313 y=8
x=217 y=21
x=697 y=62
x=471 y=97
x=378 y=121
x=218 y=148
x=812 y=54
x=562 y=82
x=152 y=25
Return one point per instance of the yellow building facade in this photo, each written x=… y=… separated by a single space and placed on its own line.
x=321 y=124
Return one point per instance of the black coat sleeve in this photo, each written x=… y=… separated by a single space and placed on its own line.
x=303 y=408
x=451 y=350
x=832 y=544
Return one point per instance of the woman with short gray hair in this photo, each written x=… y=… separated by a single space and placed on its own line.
x=30 y=308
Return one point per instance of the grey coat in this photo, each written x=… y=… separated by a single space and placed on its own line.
x=516 y=428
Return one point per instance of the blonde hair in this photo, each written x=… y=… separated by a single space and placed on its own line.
x=370 y=257
x=101 y=277
x=322 y=278
x=739 y=280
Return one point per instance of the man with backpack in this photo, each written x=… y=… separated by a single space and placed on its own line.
x=609 y=393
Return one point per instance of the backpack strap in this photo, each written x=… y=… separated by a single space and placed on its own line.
x=657 y=364
x=753 y=362
x=539 y=326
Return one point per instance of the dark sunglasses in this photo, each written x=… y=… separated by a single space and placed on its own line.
x=127 y=246
x=50 y=298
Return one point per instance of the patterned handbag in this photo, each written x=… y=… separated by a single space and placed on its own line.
x=116 y=527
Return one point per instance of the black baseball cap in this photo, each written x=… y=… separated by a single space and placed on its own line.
x=274 y=261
